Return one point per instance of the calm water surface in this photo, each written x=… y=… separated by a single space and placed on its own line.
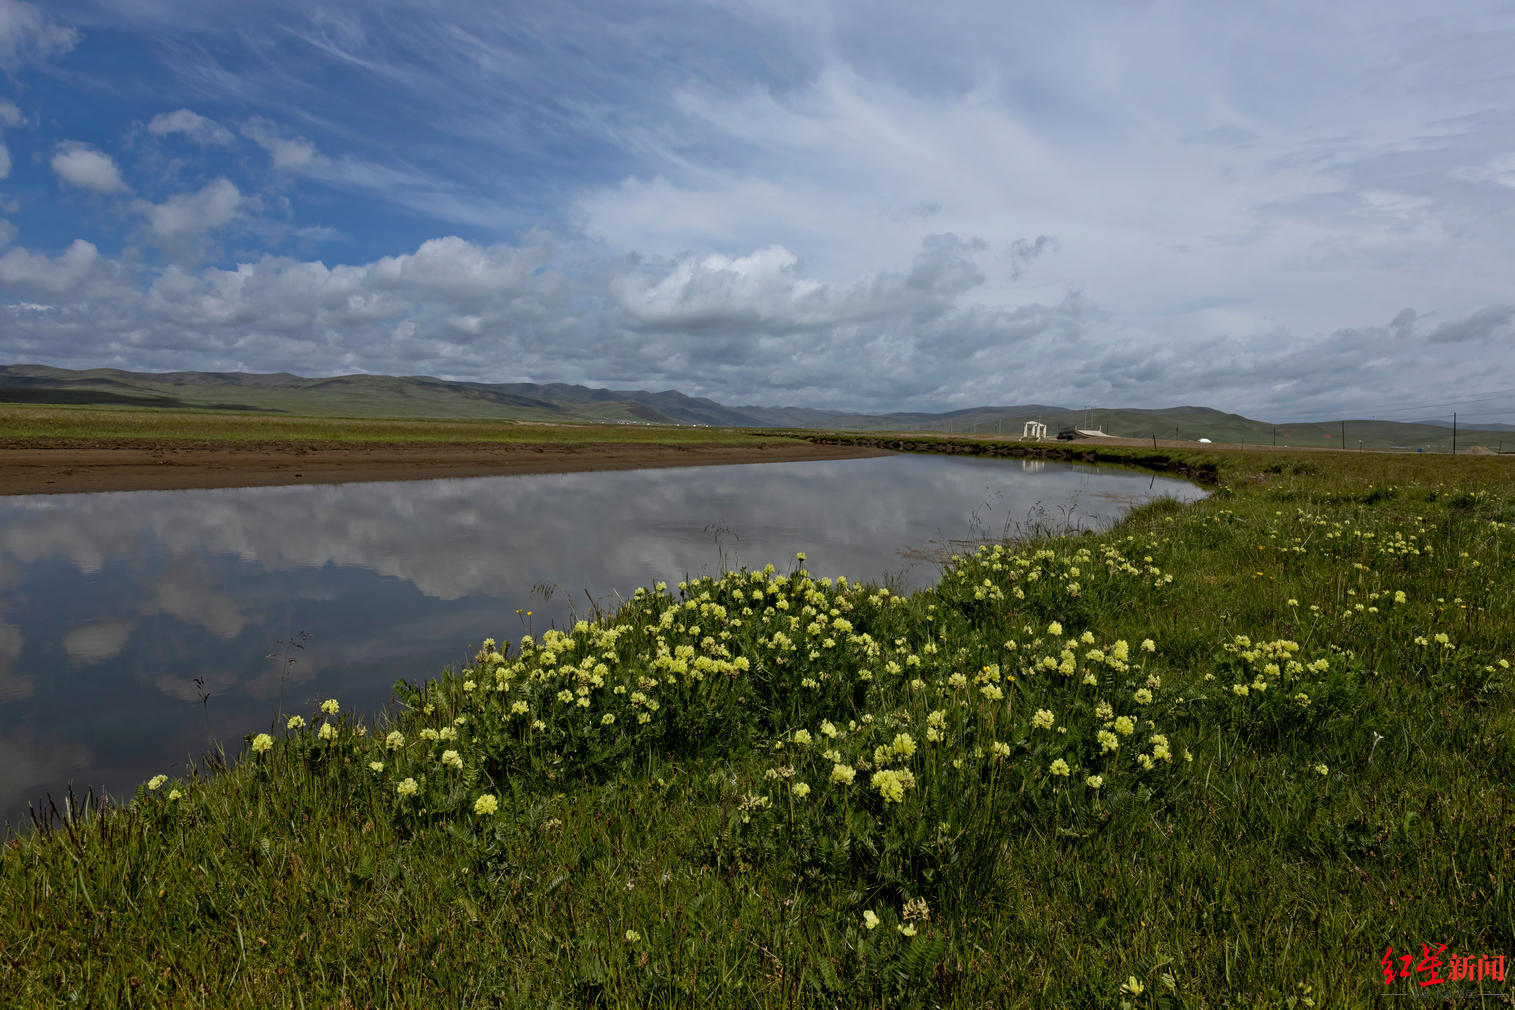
x=112 y=605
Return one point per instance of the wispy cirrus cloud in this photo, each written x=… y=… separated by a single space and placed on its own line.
x=28 y=34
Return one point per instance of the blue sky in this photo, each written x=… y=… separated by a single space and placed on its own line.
x=1286 y=210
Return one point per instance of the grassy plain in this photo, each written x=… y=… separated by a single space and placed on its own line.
x=96 y=425
x=1224 y=755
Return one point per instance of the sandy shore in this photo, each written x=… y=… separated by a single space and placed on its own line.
x=170 y=467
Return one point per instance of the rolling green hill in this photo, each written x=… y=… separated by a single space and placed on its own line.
x=370 y=396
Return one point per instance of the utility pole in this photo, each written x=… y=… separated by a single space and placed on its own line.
x=1343 y=434
x=1275 y=436
x=1454 y=432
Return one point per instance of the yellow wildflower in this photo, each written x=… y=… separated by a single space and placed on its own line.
x=889 y=785
x=262 y=742
x=486 y=805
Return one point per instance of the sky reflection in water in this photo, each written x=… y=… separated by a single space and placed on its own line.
x=113 y=604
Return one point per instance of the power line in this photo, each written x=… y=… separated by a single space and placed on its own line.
x=1431 y=405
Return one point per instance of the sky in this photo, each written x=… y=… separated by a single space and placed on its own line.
x=1288 y=210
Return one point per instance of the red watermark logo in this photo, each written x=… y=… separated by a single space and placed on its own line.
x=1426 y=970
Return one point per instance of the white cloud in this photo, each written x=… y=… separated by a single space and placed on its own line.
x=28 y=271
x=740 y=201
x=188 y=214
x=753 y=328
x=10 y=115
x=27 y=34
x=1500 y=169
x=289 y=154
x=5 y=161
x=203 y=131
x=83 y=166
x=7 y=233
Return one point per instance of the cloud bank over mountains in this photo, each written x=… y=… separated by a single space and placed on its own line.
x=1286 y=211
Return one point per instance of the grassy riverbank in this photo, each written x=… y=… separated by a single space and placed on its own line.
x=1222 y=756
x=65 y=426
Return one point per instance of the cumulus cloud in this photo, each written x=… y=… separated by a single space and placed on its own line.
x=28 y=35
x=28 y=271
x=5 y=161
x=192 y=125
x=752 y=328
x=83 y=166
x=1481 y=326
x=918 y=212
x=188 y=214
x=288 y=154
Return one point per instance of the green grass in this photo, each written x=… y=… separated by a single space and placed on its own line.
x=1273 y=850
x=64 y=426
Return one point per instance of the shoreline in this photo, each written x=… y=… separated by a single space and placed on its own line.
x=179 y=467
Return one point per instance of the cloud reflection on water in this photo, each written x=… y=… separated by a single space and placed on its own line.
x=116 y=601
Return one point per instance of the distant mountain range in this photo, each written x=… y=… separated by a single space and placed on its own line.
x=423 y=396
